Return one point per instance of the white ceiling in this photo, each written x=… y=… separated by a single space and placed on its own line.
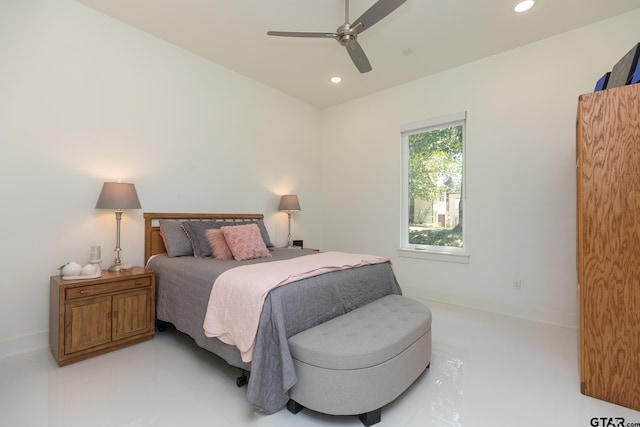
x=420 y=38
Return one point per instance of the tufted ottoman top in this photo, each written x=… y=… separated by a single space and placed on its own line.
x=364 y=337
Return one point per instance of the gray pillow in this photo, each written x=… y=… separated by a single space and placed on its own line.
x=264 y=233
x=175 y=240
x=196 y=232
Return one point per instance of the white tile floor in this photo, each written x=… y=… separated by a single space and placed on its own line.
x=486 y=370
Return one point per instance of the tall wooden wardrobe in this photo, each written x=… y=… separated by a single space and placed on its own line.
x=608 y=209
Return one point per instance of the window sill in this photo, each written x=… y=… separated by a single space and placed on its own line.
x=460 y=258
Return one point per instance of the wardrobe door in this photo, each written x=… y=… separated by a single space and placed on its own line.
x=608 y=178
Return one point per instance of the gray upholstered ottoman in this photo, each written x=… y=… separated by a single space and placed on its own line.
x=356 y=363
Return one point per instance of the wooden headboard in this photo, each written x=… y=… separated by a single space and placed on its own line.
x=153 y=243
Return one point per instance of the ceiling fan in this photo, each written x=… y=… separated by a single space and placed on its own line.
x=347 y=34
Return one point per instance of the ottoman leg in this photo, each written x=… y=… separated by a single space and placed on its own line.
x=294 y=407
x=371 y=418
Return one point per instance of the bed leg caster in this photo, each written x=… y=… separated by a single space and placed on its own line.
x=294 y=407
x=371 y=418
x=242 y=380
x=162 y=326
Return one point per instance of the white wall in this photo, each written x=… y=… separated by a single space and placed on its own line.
x=520 y=176
x=86 y=99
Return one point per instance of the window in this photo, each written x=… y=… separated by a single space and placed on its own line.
x=433 y=187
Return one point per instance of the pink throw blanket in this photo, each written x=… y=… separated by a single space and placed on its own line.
x=238 y=294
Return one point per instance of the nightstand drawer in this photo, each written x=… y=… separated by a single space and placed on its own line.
x=92 y=290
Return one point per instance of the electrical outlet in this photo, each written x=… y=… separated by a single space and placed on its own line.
x=517 y=284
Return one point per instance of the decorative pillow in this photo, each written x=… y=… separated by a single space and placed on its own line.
x=245 y=242
x=218 y=244
x=196 y=233
x=175 y=239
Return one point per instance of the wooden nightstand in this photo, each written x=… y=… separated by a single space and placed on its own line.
x=94 y=316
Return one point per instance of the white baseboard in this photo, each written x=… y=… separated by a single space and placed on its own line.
x=558 y=318
x=40 y=340
x=24 y=344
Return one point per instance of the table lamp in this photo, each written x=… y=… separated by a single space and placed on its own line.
x=289 y=203
x=118 y=196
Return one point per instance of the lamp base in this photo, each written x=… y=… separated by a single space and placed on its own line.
x=115 y=268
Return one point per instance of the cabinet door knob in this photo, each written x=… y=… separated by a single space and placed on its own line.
x=84 y=291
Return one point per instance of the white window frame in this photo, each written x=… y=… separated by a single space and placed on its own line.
x=437 y=253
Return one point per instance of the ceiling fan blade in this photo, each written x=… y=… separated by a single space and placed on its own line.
x=302 y=34
x=358 y=57
x=375 y=13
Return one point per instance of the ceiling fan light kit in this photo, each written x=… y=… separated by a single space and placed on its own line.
x=347 y=34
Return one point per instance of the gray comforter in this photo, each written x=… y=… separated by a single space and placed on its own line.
x=184 y=285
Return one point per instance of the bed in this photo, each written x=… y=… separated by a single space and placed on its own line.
x=184 y=282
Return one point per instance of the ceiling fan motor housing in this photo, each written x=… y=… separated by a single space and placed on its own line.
x=347 y=39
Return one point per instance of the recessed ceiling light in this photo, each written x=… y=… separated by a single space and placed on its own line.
x=336 y=79
x=523 y=6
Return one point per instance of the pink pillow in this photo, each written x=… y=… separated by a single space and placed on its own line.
x=245 y=242
x=218 y=244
